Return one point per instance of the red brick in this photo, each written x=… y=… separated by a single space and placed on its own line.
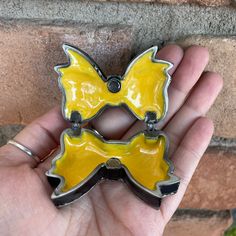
x=203 y=224
x=20 y=69
x=30 y=51
x=222 y=60
x=213 y=185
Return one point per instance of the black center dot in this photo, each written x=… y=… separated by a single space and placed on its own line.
x=114 y=85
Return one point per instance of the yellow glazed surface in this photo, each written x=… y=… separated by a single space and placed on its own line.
x=143 y=158
x=141 y=87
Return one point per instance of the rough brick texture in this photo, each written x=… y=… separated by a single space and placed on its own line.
x=8 y=131
x=29 y=52
x=213 y=185
x=222 y=60
x=197 y=223
x=200 y=2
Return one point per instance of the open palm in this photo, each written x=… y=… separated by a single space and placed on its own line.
x=110 y=208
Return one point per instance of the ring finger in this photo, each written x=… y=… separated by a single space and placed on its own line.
x=40 y=137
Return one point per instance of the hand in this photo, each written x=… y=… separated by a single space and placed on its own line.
x=110 y=208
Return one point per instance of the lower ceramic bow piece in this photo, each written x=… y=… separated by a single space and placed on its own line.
x=86 y=157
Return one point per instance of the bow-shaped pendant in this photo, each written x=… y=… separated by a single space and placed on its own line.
x=87 y=91
x=85 y=157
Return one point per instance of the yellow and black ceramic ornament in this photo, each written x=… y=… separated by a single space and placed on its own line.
x=86 y=157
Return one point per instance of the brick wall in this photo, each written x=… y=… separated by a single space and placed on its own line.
x=31 y=34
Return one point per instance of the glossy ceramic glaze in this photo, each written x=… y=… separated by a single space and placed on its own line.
x=142 y=156
x=142 y=86
x=85 y=157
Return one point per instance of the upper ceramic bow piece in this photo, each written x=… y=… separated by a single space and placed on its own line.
x=86 y=90
x=86 y=157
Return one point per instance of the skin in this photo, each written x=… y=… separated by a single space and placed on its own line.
x=110 y=208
